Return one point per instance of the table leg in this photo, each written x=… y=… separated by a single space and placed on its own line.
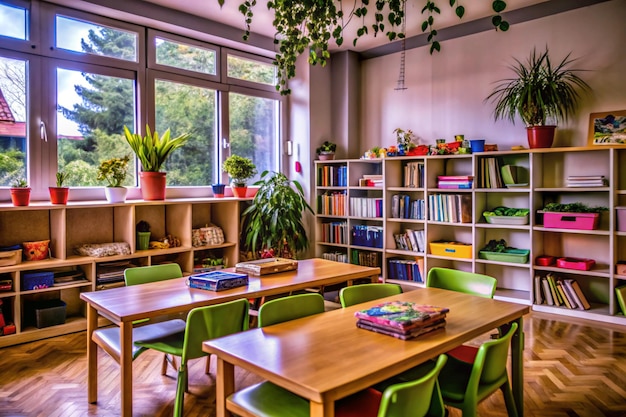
x=126 y=368
x=92 y=355
x=324 y=409
x=225 y=385
x=517 y=367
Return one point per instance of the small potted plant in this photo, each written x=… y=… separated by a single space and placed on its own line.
x=143 y=235
x=152 y=151
x=114 y=172
x=240 y=170
x=20 y=192
x=541 y=93
x=60 y=193
x=326 y=151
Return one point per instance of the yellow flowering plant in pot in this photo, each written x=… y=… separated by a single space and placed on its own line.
x=114 y=171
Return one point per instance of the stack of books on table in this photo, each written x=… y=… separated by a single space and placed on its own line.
x=455 y=181
x=402 y=319
x=586 y=181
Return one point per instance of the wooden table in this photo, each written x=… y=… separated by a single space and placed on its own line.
x=325 y=357
x=125 y=304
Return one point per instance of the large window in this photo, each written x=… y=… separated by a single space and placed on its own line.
x=95 y=75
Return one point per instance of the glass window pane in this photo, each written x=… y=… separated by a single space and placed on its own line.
x=254 y=130
x=251 y=70
x=189 y=109
x=183 y=56
x=92 y=111
x=13 y=116
x=80 y=36
x=13 y=22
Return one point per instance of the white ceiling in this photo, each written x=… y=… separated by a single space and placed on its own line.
x=262 y=21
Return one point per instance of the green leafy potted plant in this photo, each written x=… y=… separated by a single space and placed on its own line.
x=541 y=93
x=20 y=192
x=60 y=193
x=326 y=151
x=114 y=172
x=152 y=151
x=240 y=170
x=273 y=224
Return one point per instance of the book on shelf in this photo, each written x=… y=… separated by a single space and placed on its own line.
x=547 y=291
x=566 y=300
x=538 y=290
x=620 y=293
x=575 y=292
x=555 y=294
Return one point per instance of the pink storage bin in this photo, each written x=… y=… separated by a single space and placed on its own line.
x=581 y=221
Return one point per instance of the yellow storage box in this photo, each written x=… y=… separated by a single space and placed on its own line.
x=451 y=249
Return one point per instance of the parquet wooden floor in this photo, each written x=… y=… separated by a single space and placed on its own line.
x=572 y=368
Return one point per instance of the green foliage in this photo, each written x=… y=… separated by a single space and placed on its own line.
x=114 y=171
x=496 y=246
x=239 y=169
x=143 y=226
x=12 y=166
x=152 y=149
x=539 y=92
x=327 y=147
x=20 y=183
x=61 y=177
x=274 y=220
x=577 y=207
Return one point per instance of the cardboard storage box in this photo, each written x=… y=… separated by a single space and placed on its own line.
x=581 y=221
x=452 y=249
x=48 y=313
x=37 y=280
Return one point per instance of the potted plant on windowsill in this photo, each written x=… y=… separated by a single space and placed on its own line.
x=273 y=224
x=114 y=172
x=240 y=170
x=541 y=93
x=20 y=192
x=326 y=151
x=59 y=194
x=152 y=151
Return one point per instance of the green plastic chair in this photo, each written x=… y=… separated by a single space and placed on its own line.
x=109 y=337
x=464 y=385
x=462 y=281
x=290 y=308
x=468 y=283
x=203 y=323
x=356 y=294
x=418 y=398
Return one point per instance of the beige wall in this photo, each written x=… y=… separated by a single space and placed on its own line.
x=446 y=91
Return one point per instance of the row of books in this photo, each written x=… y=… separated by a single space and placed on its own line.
x=332 y=176
x=489 y=173
x=451 y=208
x=406 y=269
x=365 y=258
x=371 y=180
x=368 y=236
x=334 y=232
x=586 y=181
x=411 y=240
x=366 y=207
x=555 y=291
x=402 y=207
x=402 y=319
x=335 y=256
x=332 y=204
x=414 y=175
x=455 y=181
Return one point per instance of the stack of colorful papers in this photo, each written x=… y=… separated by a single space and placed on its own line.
x=402 y=319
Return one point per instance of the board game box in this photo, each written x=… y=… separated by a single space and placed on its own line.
x=267 y=266
x=217 y=280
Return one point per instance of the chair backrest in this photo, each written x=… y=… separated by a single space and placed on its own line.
x=210 y=322
x=355 y=294
x=152 y=273
x=491 y=359
x=290 y=308
x=416 y=398
x=462 y=281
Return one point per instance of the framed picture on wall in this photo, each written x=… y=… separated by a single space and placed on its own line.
x=607 y=128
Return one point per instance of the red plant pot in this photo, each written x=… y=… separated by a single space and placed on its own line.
x=59 y=195
x=540 y=136
x=20 y=196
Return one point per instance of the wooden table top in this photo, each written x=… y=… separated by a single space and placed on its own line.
x=326 y=357
x=135 y=302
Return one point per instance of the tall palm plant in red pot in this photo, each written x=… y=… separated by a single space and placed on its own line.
x=541 y=93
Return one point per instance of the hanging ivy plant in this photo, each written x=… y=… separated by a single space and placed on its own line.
x=308 y=26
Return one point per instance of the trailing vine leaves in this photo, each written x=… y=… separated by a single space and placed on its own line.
x=498 y=22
